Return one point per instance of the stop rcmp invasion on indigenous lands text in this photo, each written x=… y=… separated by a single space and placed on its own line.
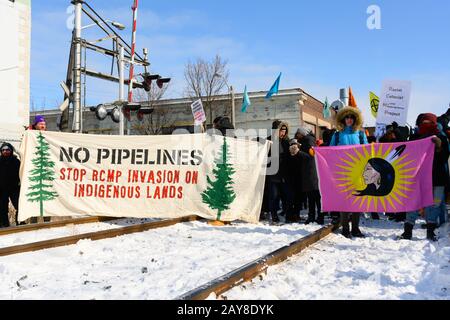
x=134 y=157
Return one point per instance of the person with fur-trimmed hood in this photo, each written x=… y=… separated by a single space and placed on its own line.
x=349 y=123
x=9 y=182
x=278 y=176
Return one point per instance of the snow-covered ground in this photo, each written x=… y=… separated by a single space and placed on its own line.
x=167 y=262
x=157 y=264
x=377 y=267
x=15 y=239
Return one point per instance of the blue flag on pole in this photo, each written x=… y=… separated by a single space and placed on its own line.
x=274 y=88
x=245 y=101
x=326 y=109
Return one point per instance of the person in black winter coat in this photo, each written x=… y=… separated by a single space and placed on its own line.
x=278 y=172
x=428 y=127
x=309 y=180
x=9 y=182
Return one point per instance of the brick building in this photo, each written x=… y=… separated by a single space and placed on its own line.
x=295 y=106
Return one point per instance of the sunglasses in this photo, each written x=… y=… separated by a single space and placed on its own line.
x=6 y=149
x=350 y=117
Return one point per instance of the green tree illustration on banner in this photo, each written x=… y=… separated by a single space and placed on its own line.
x=219 y=193
x=42 y=172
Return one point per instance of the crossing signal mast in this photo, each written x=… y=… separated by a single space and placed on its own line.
x=122 y=52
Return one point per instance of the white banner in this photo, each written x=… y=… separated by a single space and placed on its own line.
x=394 y=102
x=65 y=174
x=198 y=112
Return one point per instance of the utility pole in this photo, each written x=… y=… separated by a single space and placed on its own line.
x=233 y=120
x=121 y=89
x=133 y=50
x=78 y=112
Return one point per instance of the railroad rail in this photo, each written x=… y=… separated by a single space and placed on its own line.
x=105 y=234
x=55 y=224
x=255 y=268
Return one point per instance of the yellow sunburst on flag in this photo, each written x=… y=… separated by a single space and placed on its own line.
x=379 y=177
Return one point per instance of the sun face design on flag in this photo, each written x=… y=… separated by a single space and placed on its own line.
x=378 y=177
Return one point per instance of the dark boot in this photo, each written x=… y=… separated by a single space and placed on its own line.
x=262 y=216
x=293 y=218
x=346 y=232
x=275 y=217
x=311 y=218
x=357 y=233
x=355 y=226
x=345 y=224
x=320 y=218
x=407 y=234
x=430 y=231
x=400 y=217
x=335 y=218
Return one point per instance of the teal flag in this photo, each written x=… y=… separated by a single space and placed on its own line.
x=326 y=109
x=245 y=101
x=274 y=88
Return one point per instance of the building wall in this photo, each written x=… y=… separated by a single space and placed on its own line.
x=291 y=105
x=15 y=33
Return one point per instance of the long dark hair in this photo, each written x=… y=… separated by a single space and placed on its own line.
x=387 y=173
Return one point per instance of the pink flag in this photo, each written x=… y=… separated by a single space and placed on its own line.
x=388 y=177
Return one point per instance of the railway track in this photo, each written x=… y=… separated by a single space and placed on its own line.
x=64 y=241
x=251 y=270
x=217 y=286
x=55 y=224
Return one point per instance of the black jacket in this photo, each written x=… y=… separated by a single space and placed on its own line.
x=282 y=174
x=307 y=143
x=440 y=162
x=308 y=176
x=9 y=173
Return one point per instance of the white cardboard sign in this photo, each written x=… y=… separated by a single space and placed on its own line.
x=198 y=112
x=394 y=102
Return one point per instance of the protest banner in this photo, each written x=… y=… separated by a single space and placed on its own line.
x=388 y=177
x=64 y=174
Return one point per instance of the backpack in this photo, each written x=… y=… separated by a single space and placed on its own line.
x=338 y=134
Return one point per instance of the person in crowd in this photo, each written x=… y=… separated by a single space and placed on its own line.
x=443 y=120
x=39 y=123
x=327 y=135
x=395 y=133
x=295 y=180
x=278 y=180
x=9 y=183
x=225 y=126
x=349 y=122
x=427 y=126
x=370 y=140
x=307 y=140
x=309 y=181
x=216 y=122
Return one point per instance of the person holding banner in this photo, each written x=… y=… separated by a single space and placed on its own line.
x=307 y=180
x=39 y=123
x=349 y=122
x=427 y=127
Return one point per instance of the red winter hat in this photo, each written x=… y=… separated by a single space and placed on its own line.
x=428 y=116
